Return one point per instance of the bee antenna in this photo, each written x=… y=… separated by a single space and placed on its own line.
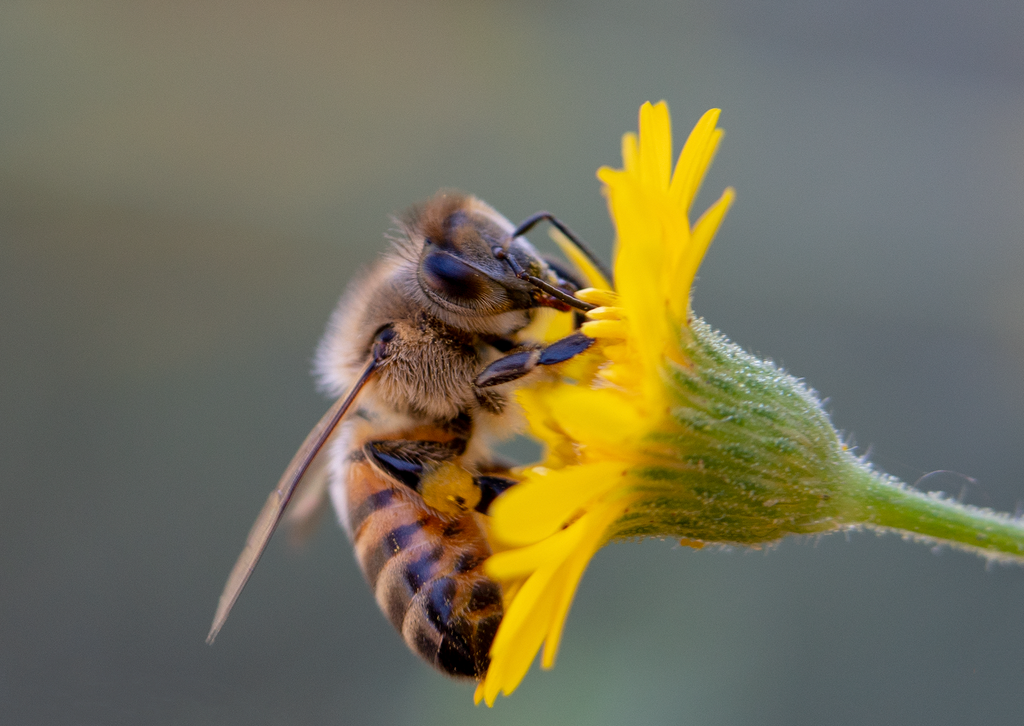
x=530 y=222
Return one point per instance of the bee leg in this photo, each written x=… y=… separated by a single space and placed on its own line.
x=407 y=461
x=516 y=365
x=490 y=487
x=429 y=469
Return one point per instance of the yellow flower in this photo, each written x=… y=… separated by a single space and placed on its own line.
x=667 y=429
x=597 y=421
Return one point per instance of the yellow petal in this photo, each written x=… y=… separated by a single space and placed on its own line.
x=630 y=152
x=596 y=524
x=706 y=227
x=655 y=145
x=690 y=259
x=704 y=163
x=538 y=612
x=602 y=418
x=541 y=505
x=623 y=376
x=520 y=634
x=639 y=270
x=695 y=158
x=591 y=274
x=616 y=352
x=523 y=561
x=536 y=408
x=548 y=325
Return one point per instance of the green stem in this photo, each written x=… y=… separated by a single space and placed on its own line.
x=888 y=504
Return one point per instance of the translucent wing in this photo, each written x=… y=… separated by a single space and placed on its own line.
x=310 y=502
x=270 y=515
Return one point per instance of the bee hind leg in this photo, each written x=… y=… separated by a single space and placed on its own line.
x=516 y=365
x=407 y=461
x=429 y=469
x=490 y=487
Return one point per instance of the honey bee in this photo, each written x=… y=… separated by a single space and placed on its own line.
x=430 y=344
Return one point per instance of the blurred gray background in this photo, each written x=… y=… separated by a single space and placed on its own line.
x=186 y=188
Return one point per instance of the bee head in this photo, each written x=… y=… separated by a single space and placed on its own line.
x=458 y=270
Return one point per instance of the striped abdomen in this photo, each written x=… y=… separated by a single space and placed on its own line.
x=426 y=571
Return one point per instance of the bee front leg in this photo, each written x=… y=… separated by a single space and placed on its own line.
x=516 y=365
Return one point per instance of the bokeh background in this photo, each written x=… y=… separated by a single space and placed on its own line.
x=186 y=188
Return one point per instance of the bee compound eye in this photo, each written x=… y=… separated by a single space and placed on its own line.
x=450 y=277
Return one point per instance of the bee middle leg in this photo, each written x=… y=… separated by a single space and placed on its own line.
x=516 y=365
x=431 y=469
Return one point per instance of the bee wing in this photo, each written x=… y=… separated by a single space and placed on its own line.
x=310 y=501
x=268 y=518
